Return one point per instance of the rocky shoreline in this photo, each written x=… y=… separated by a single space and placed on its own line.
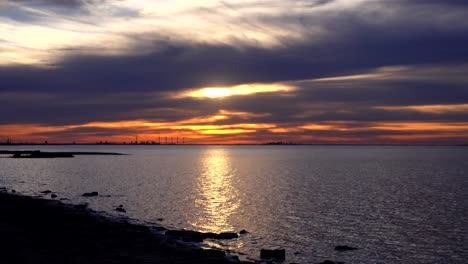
x=36 y=230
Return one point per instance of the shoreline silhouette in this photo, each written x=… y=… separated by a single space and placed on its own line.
x=38 y=230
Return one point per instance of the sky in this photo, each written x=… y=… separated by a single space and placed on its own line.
x=234 y=72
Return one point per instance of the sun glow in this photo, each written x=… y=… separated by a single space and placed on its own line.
x=244 y=89
x=216 y=92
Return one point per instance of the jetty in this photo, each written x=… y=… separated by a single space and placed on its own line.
x=35 y=154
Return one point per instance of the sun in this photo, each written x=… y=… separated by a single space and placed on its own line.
x=243 y=89
x=215 y=92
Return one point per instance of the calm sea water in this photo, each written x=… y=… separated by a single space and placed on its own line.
x=396 y=204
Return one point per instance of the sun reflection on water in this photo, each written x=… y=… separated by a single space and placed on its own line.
x=217 y=199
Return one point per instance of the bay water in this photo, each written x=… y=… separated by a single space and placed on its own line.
x=397 y=204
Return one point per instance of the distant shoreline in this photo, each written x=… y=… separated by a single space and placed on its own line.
x=259 y=144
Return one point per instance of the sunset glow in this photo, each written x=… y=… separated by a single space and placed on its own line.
x=245 y=89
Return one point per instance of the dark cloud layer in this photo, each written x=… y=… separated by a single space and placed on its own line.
x=82 y=88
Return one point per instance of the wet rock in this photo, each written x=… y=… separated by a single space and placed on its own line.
x=53 y=196
x=344 y=248
x=243 y=232
x=224 y=235
x=120 y=209
x=46 y=192
x=188 y=235
x=90 y=194
x=277 y=254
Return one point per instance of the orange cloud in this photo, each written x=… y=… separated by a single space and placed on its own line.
x=432 y=109
x=217 y=129
x=420 y=126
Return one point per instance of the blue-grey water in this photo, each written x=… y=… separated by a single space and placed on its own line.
x=396 y=204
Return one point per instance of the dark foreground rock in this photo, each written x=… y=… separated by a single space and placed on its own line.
x=330 y=262
x=344 y=248
x=90 y=194
x=47 y=231
x=194 y=236
x=120 y=209
x=276 y=254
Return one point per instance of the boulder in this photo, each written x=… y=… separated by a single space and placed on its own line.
x=188 y=235
x=53 y=196
x=344 y=248
x=46 y=192
x=224 y=235
x=120 y=209
x=90 y=194
x=276 y=254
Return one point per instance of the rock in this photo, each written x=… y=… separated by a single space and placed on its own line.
x=243 y=232
x=90 y=194
x=13 y=191
x=344 y=248
x=46 y=192
x=160 y=219
x=224 y=235
x=188 y=235
x=120 y=209
x=277 y=254
x=53 y=196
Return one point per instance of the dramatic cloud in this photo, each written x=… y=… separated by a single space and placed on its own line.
x=360 y=71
